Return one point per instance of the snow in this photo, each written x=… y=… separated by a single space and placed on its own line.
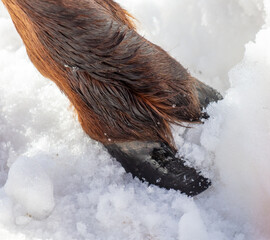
x=192 y=227
x=56 y=183
x=32 y=190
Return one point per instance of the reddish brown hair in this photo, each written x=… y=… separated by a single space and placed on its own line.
x=122 y=86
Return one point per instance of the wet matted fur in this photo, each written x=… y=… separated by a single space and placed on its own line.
x=123 y=87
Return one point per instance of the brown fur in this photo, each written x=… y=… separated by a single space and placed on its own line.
x=122 y=86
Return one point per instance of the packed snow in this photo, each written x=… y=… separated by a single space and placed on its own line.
x=57 y=183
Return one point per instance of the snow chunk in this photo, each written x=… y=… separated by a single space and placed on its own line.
x=5 y=208
x=30 y=186
x=191 y=227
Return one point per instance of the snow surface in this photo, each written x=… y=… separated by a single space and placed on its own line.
x=56 y=183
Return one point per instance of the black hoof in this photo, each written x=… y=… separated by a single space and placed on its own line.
x=206 y=94
x=156 y=163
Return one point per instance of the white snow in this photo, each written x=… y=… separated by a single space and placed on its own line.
x=192 y=227
x=56 y=183
x=30 y=186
